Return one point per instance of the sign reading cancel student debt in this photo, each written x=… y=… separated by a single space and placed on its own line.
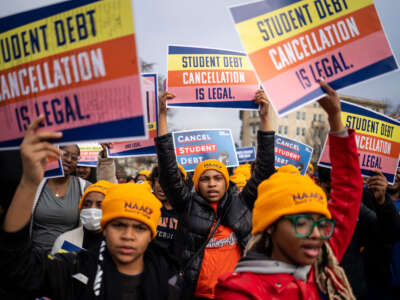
x=377 y=138
x=142 y=147
x=203 y=77
x=75 y=63
x=194 y=146
x=292 y=44
x=292 y=152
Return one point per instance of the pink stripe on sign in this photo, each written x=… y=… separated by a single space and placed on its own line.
x=51 y=165
x=211 y=93
x=353 y=55
x=132 y=145
x=94 y=104
x=368 y=162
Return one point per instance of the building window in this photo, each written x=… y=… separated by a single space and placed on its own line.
x=286 y=116
x=314 y=117
x=315 y=104
x=254 y=129
x=280 y=129
x=304 y=115
x=297 y=130
x=303 y=132
x=286 y=130
x=253 y=144
x=254 y=113
x=298 y=115
x=320 y=117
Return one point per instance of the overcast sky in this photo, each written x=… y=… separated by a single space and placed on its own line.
x=208 y=23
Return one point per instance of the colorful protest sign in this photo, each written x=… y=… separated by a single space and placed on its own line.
x=246 y=155
x=292 y=44
x=89 y=154
x=292 y=152
x=67 y=247
x=377 y=138
x=142 y=147
x=203 y=77
x=54 y=169
x=195 y=146
x=61 y=61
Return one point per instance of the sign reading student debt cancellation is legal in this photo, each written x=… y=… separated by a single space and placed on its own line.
x=292 y=44
x=146 y=146
x=194 y=146
x=203 y=77
x=292 y=152
x=75 y=63
x=377 y=139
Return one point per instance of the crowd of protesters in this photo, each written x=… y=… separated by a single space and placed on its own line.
x=259 y=233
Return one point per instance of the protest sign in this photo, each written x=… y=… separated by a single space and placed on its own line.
x=89 y=154
x=292 y=152
x=292 y=44
x=195 y=146
x=377 y=139
x=142 y=147
x=54 y=168
x=246 y=155
x=60 y=61
x=204 y=77
x=67 y=247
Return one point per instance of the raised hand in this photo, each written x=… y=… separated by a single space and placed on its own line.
x=35 y=151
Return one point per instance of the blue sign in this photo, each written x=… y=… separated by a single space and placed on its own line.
x=195 y=146
x=246 y=155
x=289 y=151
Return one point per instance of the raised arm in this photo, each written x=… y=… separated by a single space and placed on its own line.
x=106 y=166
x=265 y=158
x=346 y=180
x=171 y=181
x=35 y=150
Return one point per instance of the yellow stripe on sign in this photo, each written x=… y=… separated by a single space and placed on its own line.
x=371 y=126
x=152 y=125
x=76 y=28
x=302 y=13
x=176 y=62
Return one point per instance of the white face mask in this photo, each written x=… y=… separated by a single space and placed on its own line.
x=90 y=218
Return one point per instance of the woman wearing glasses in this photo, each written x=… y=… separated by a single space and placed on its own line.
x=55 y=209
x=298 y=237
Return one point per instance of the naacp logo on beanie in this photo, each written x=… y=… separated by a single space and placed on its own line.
x=131 y=201
x=138 y=209
x=287 y=192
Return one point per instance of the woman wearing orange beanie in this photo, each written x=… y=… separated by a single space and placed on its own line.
x=298 y=237
x=214 y=205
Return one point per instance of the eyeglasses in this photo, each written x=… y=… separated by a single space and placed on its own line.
x=304 y=226
x=66 y=154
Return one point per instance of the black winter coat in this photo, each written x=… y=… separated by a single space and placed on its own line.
x=198 y=215
x=70 y=276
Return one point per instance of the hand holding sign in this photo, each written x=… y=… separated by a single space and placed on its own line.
x=35 y=150
x=261 y=100
x=331 y=104
x=162 y=117
x=378 y=184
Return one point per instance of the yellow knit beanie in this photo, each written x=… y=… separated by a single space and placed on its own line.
x=238 y=179
x=131 y=201
x=100 y=186
x=145 y=173
x=244 y=169
x=286 y=192
x=210 y=164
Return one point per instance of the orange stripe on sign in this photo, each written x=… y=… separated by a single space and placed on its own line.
x=211 y=77
x=377 y=145
x=366 y=20
x=100 y=62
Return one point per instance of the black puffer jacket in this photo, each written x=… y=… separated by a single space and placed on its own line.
x=198 y=215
